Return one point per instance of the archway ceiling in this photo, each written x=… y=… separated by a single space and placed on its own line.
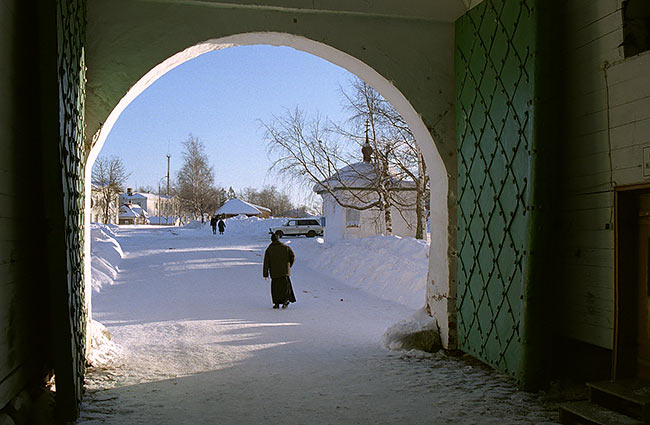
x=126 y=38
x=437 y=10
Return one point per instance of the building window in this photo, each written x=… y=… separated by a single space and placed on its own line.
x=636 y=27
x=352 y=217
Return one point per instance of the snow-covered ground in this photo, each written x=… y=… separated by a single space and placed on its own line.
x=194 y=339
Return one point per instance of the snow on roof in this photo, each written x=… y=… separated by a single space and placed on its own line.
x=133 y=195
x=150 y=195
x=360 y=175
x=132 y=210
x=139 y=210
x=357 y=175
x=237 y=206
x=126 y=212
x=140 y=195
x=261 y=208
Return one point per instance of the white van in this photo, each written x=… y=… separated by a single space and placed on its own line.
x=309 y=227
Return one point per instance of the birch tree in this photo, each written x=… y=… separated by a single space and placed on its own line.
x=108 y=177
x=195 y=179
x=392 y=140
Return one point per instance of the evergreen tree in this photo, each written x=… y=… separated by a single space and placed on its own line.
x=231 y=194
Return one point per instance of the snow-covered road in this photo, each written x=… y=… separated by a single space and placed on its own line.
x=200 y=344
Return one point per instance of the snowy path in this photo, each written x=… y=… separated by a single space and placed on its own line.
x=201 y=345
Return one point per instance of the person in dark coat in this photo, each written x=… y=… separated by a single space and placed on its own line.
x=222 y=226
x=213 y=224
x=278 y=259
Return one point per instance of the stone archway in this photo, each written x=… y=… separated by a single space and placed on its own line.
x=410 y=46
x=439 y=271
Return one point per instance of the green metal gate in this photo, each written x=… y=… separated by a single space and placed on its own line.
x=495 y=62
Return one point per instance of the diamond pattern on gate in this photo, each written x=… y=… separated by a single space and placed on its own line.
x=71 y=26
x=494 y=99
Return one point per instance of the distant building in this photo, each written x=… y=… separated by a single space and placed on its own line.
x=147 y=201
x=97 y=207
x=355 y=185
x=264 y=212
x=157 y=208
x=132 y=214
x=236 y=207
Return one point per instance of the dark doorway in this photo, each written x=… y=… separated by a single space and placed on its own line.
x=632 y=321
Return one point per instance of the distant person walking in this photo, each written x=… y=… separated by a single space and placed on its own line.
x=222 y=226
x=213 y=224
x=278 y=259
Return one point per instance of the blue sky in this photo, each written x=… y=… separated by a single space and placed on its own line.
x=220 y=97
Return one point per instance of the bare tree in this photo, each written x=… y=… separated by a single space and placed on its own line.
x=195 y=178
x=306 y=150
x=218 y=197
x=146 y=189
x=269 y=197
x=108 y=177
x=309 y=149
x=169 y=206
x=175 y=204
x=393 y=142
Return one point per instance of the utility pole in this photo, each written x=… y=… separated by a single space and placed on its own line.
x=168 y=199
x=168 y=157
x=159 y=205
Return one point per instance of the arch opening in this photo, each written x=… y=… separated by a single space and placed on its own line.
x=438 y=270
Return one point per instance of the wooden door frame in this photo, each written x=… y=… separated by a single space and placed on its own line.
x=625 y=269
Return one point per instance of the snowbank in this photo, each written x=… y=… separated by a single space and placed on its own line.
x=164 y=221
x=195 y=224
x=420 y=333
x=106 y=255
x=102 y=349
x=247 y=226
x=240 y=225
x=389 y=267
